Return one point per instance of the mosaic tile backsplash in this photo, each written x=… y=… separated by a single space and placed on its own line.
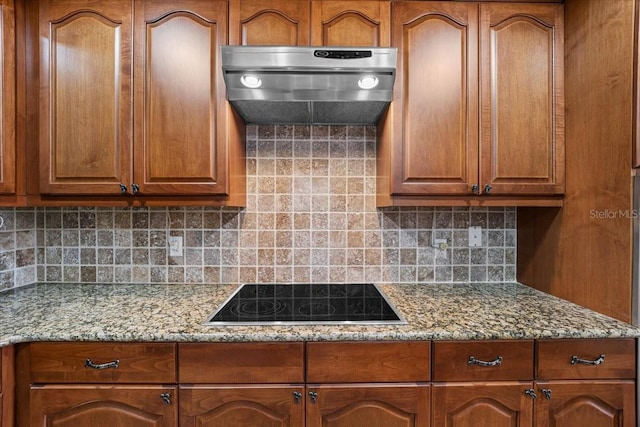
x=310 y=217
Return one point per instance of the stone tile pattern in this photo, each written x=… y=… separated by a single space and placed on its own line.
x=310 y=217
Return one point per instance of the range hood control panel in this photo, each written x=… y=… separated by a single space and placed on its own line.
x=342 y=54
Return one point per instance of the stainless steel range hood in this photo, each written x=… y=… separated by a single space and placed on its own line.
x=309 y=85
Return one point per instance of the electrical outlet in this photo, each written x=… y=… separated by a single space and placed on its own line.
x=440 y=246
x=475 y=236
x=175 y=245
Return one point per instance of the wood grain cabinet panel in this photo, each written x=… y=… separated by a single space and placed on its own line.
x=180 y=140
x=363 y=405
x=280 y=22
x=67 y=362
x=367 y=362
x=147 y=118
x=238 y=406
x=478 y=106
x=589 y=358
x=104 y=406
x=586 y=403
x=85 y=96
x=501 y=404
x=8 y=155
x=353 y=23
x=238 y=363
x=522 y=99
x=7 y=386
x=482 y=360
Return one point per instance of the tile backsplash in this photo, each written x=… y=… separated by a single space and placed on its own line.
x=310 y=217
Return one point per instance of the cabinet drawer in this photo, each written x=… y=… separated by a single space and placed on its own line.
x=352 y=362
x=241 y=363
x=482 y=360
x=103 y=362
x=574 y=359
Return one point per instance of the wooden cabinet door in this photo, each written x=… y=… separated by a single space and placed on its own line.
x=278 y=22
x=586 y=403
x=522 y=105
x=365 y=405
x=85 y=96
x=354 y=23
x=7 y=99
x=180 y=111
x=432 y=137
x=103 y=406
x=241 y=406
x=488 y=404
x=7 y=386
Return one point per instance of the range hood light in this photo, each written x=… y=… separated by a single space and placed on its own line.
x=368 y=82
x=251 y=81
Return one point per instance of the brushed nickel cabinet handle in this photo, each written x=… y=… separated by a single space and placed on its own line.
x=531 y=393
x=598 y=361
x=496 y=362
x=109 y=365
x=135 y=189
x=488 y=188
x=475 y=188
x=546 y=392
x=314 y=396
x=123 y=189
x=297 y=396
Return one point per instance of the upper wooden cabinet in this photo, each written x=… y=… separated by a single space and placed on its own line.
x=85 y=96
x=8 y=157
x=354 y=23
x=300 y=23
x=181 y=116
x=478 y=106
x=166 y=130
x=280 y=22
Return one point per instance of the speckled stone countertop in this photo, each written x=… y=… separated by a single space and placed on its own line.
x=72 y=312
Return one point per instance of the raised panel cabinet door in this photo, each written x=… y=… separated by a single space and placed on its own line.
x=522 y=103
x=103 y=406
x=242 y=406
x=586 y=403
x=279 y=22
x=7 y=99
x=180 y=111
x=499 y=404
x=354 y=23
x=434 y=113
x=7 y=386
x=85 y=96
x=368 y=405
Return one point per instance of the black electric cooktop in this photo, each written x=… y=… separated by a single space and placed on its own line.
x=304 y=303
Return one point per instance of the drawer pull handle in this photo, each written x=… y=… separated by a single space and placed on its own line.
x=474 y=361
x=598 y=361
x=89 y=364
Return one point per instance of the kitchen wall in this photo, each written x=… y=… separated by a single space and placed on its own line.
x=310 y=216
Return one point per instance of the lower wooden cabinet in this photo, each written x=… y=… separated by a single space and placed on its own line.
x=596 y=403
x=263 y=405
x=7 y=386
x=365 y=405
x=499 y=404
x=495 y=383
x=104 y=406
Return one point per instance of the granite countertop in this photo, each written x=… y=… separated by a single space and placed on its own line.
x=122 y=312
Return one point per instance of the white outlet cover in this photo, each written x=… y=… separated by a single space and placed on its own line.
x=475 y=236
x=175 y=245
